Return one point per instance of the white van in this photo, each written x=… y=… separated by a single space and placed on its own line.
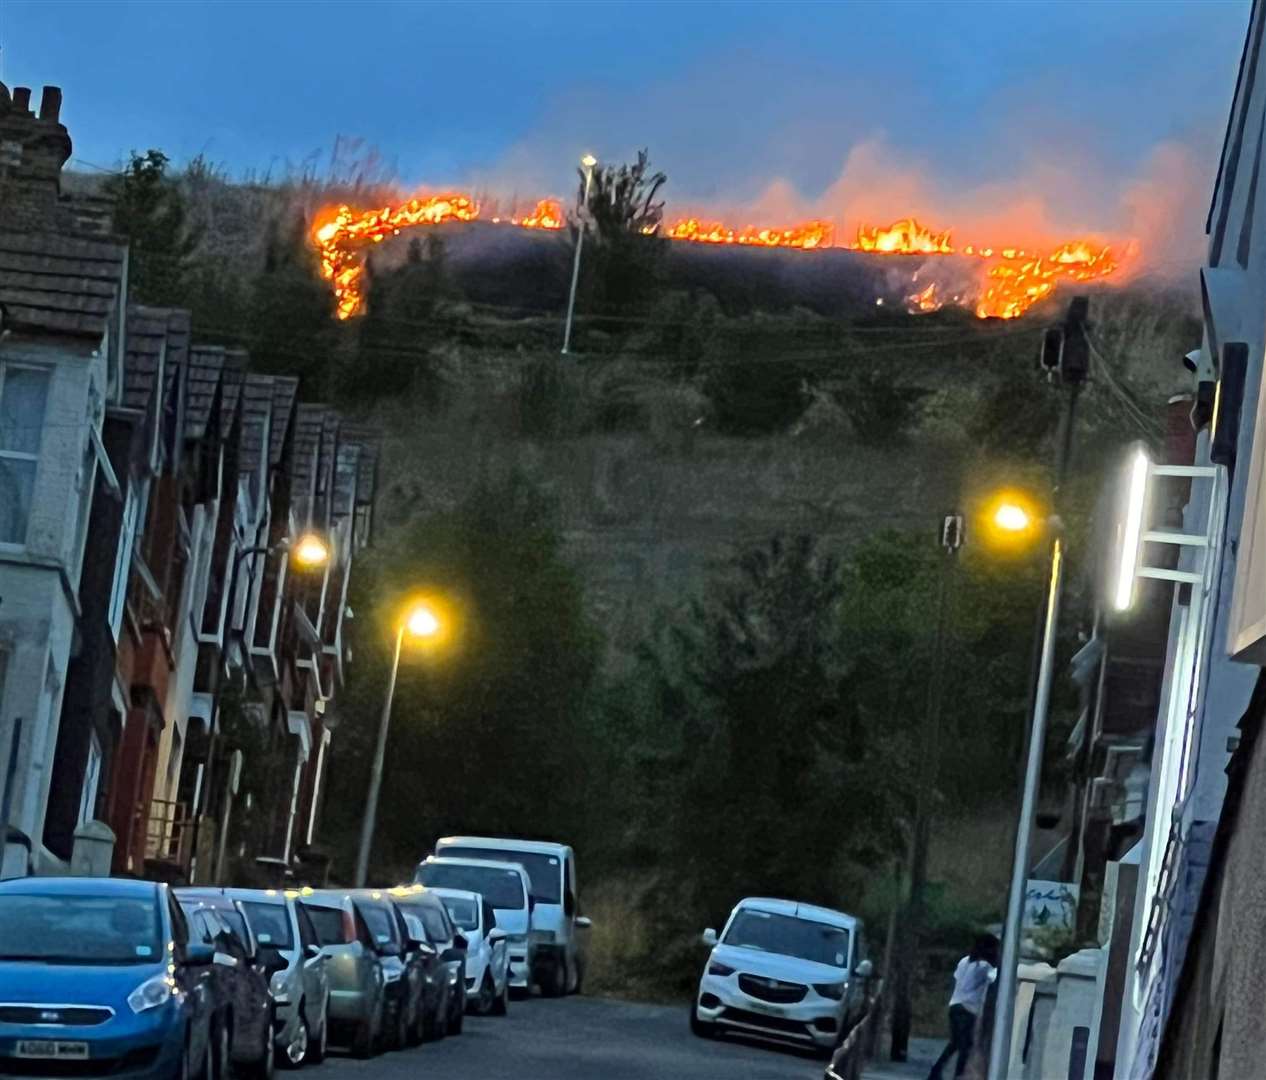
x=559 y=951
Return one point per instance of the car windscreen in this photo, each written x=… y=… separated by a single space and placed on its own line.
x=789 y=936
x=501 y=888
x=381 y=924
x=271 y=923
x=328 y=923
x=545 y=872
x=465 y=913
x=80 y=929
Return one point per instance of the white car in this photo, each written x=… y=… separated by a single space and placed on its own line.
x=506 y=887
x=786 y=971
x=487 y=951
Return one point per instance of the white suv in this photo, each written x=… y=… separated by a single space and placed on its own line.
x=786 y=971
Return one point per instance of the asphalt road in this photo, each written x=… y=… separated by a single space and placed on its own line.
x=579 y=1039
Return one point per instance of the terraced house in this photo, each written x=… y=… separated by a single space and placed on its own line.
x=167 y=677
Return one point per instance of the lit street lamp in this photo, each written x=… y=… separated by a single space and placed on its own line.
x=422 y=624
x=589 y=162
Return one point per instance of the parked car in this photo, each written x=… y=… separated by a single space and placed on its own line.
x=557 y=927
x=450 y=960
x=240 y=977
x=98 y=976
x=786 y=971
x=301 y=990
x=505 y=886
x=487 y=957
x=357 y=1004
x=405 y=959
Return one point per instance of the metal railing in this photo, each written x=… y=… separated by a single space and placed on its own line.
x=168 y=830
x=859 y=1044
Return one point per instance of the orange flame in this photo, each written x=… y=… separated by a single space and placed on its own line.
x=905 y=237
x=807 y=236
x=547 y=214
x=925 y=300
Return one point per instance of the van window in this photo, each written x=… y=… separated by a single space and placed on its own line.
x=544 y=871
x=501 y=888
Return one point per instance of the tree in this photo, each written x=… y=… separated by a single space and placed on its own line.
x=883 y=411
x=150 y=211
x=622 y=266
x=489 y=736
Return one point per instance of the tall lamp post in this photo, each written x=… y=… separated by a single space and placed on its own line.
x=421 y=624
x=309 y=552
x=588 y=162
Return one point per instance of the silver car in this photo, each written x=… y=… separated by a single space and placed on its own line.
x=358 y=1003
x=301 y=989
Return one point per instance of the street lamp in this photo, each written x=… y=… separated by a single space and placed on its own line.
x=588 y=162
x=422 y=624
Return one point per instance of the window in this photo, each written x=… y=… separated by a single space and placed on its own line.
x=270 y=923
x=23 y=396
x=92 y=780
x=307 y=932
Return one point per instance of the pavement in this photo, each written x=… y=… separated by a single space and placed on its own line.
x=593 y=1039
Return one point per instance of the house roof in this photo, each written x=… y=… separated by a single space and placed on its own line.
x=304 y=464
x=257 y=407
x=146 y=341
x=178 y=334
x=206 y=364
x=231 y=381
x=59 y=284
x=285 y=390
x=370 y=443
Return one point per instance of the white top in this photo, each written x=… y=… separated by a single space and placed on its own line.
x=971 y=984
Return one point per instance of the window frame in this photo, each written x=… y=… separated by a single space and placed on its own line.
x=21 y=455
x=92 y=778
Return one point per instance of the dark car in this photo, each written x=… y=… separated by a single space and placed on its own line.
x=240 y=974
x=98 y=977
x=405 y=960
x=448 y=1001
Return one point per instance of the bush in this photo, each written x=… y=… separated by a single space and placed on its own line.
x=882 y=412
x=757 y=396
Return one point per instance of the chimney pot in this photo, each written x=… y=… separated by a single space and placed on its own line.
x=22 y=98
x=51 y=104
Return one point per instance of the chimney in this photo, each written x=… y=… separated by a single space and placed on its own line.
x=50 y=104
x=33 y=150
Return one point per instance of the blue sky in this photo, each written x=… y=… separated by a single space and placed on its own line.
x=786 y=107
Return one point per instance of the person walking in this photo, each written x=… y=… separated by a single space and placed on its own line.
x=972 y=977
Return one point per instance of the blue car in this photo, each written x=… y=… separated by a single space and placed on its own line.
x=98 y=977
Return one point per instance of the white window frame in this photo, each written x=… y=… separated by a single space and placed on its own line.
x=123 y=559
x=92 y=779
x=22 y=455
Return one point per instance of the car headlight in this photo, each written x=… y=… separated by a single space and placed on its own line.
x=718 y=968
x=153 y=993
x=834 y=991
x=277 y=984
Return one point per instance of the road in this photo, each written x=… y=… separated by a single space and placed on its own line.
x=580 y=1039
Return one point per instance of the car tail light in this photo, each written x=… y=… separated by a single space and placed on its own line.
x=349 y=928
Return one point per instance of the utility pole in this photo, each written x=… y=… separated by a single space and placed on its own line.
x=1066 y=356
x=929 y=769
x=589 y=162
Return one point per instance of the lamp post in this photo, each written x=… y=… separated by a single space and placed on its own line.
x=421 y=623
x=588 y=161
x=310 y=552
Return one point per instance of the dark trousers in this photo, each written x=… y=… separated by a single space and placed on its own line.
x=962 y=1034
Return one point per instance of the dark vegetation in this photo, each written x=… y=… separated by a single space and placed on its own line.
x=762 y=737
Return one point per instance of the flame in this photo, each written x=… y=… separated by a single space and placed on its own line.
x=1010 y=290
x=338 y=239
x=547 y=214
x=925 y=300
x=905 y=237
x=807 y=236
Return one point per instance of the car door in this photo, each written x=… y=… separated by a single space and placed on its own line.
x=203 y=930
x=414 y=961
x=316 y=983
x=195 y=981
x=251 y=996
x=368 y=961
x=499 y=949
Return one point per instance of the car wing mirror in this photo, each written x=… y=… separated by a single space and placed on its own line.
x=710 y=938
x=223 y=959
x=496 y=934
x=315 y=952
x=426 y=949
x=864 y=970
x=198 y=955
x=271 y=960
x=460 y=942
x=583 y=922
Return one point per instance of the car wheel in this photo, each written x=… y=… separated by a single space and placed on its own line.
x=297 y=1049
x=456 y=1016
x=267 y=1065
x=400 y=1031
x=318 y=1047
x=501 y=1005
x=487 y=998
x=555 y=984
x=223 y=1053
x=579 y=988
x=701 y=1028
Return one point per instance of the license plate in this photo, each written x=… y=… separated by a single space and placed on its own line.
x=767 y=1010
x=57 y=1049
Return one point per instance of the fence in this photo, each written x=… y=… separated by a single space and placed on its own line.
x=859 y=1044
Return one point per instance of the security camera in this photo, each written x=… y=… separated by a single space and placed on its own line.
x=1192 y=360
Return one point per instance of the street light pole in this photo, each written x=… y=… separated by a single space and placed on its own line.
x=588 y=161
x=375 y=775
